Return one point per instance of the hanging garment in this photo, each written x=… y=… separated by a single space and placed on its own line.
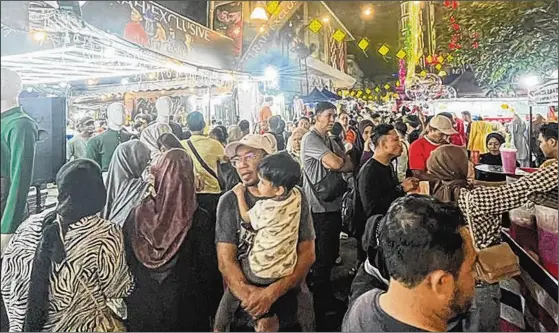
x=518 y=130
x=478 y=132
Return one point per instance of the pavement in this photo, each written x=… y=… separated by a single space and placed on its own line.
x=341 y=282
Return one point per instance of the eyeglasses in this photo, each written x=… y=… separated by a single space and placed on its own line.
x=245 y=159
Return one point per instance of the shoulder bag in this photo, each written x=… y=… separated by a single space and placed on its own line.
x=331 y=187
x=205 y=165
x=494 y=263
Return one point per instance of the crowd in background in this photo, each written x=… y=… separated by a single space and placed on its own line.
x=229 y=228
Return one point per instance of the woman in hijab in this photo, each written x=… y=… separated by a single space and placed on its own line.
x=125 y=186
x=168 y=141
x=493 y=143
x=449 y=165
x=171 y=253
x=63 y=266
x=294 y=143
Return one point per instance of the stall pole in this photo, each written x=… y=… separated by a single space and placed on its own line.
x=530 y=108
x=209 y=116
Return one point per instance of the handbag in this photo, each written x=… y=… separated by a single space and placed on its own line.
x=494 y=263
x=331 y=187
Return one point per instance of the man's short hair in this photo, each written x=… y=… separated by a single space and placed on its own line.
x=380 y=131
x=305 y=118
x=195 y=121
x=244 y=125
x=375 y=115
x=401 y=127
x=466 y=113
x=549 y=131
x=281 y=170
x=420 y=235
x=323 y=106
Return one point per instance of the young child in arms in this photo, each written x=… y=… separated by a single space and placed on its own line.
x=268 y=249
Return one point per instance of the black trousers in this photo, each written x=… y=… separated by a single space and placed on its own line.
x=327 y=227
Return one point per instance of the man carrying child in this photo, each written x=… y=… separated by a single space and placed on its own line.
x=273 y=298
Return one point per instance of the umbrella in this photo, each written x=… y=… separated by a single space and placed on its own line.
x=331 y=95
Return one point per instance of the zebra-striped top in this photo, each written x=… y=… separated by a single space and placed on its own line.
x=95 y=260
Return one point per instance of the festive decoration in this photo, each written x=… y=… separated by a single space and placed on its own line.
x=439 y=67
x=442 y=73
x=339 y=35
x=415 y=27
x=387 y=86
x=428 y=88
x=272 y=6
x=401 y=54
x=315 y=26
x=363 y=44
x=383 y=50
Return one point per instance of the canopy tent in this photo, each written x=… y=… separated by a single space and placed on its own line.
x=315 y=96
x=331 y=95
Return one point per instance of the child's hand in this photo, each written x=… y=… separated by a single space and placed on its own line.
x=239 y=189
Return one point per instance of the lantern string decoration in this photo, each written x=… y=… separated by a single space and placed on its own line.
x=428 y=88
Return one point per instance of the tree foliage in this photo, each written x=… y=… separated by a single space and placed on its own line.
x=514 y=38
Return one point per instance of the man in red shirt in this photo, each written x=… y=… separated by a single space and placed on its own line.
x=439 y=130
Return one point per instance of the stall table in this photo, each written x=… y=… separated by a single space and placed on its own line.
x=528 y=301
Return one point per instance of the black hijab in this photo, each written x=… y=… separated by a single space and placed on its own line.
x=81 y=193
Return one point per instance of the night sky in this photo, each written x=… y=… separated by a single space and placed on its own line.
x=382 y=27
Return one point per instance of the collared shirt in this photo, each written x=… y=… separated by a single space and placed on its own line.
x=484 y=206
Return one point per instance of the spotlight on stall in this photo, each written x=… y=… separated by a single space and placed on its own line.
x=554 y=74
x=124 y=81
x=530 y=81
x=270 y=73
x=63 y=85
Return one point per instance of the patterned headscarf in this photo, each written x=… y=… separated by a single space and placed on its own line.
x=165 y=216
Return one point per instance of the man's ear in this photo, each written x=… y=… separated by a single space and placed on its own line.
x=441 y=284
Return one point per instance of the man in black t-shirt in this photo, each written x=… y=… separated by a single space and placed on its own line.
x=430 y=258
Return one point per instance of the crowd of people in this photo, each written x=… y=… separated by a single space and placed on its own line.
x=224 y=229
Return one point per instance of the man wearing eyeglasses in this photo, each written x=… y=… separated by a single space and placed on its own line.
x=324 y=161
x=232 y=239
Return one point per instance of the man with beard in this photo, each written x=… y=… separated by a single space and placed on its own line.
x=77 y=146
x=233 y=240
x=430 y=259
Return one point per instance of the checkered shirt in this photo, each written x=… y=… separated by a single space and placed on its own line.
x=487 y=204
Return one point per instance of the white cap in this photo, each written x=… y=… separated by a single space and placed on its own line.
x=264 y=142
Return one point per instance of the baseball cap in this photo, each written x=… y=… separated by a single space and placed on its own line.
x=442 y=124
x=264 y=142
x=85 y=120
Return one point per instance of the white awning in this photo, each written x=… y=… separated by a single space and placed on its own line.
x=341 y=79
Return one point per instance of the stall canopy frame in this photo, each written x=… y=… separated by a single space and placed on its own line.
x=84 y=52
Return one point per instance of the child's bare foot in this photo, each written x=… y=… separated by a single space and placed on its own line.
x=268 y=324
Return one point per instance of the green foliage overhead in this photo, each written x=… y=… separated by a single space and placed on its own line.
x=515 y=38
